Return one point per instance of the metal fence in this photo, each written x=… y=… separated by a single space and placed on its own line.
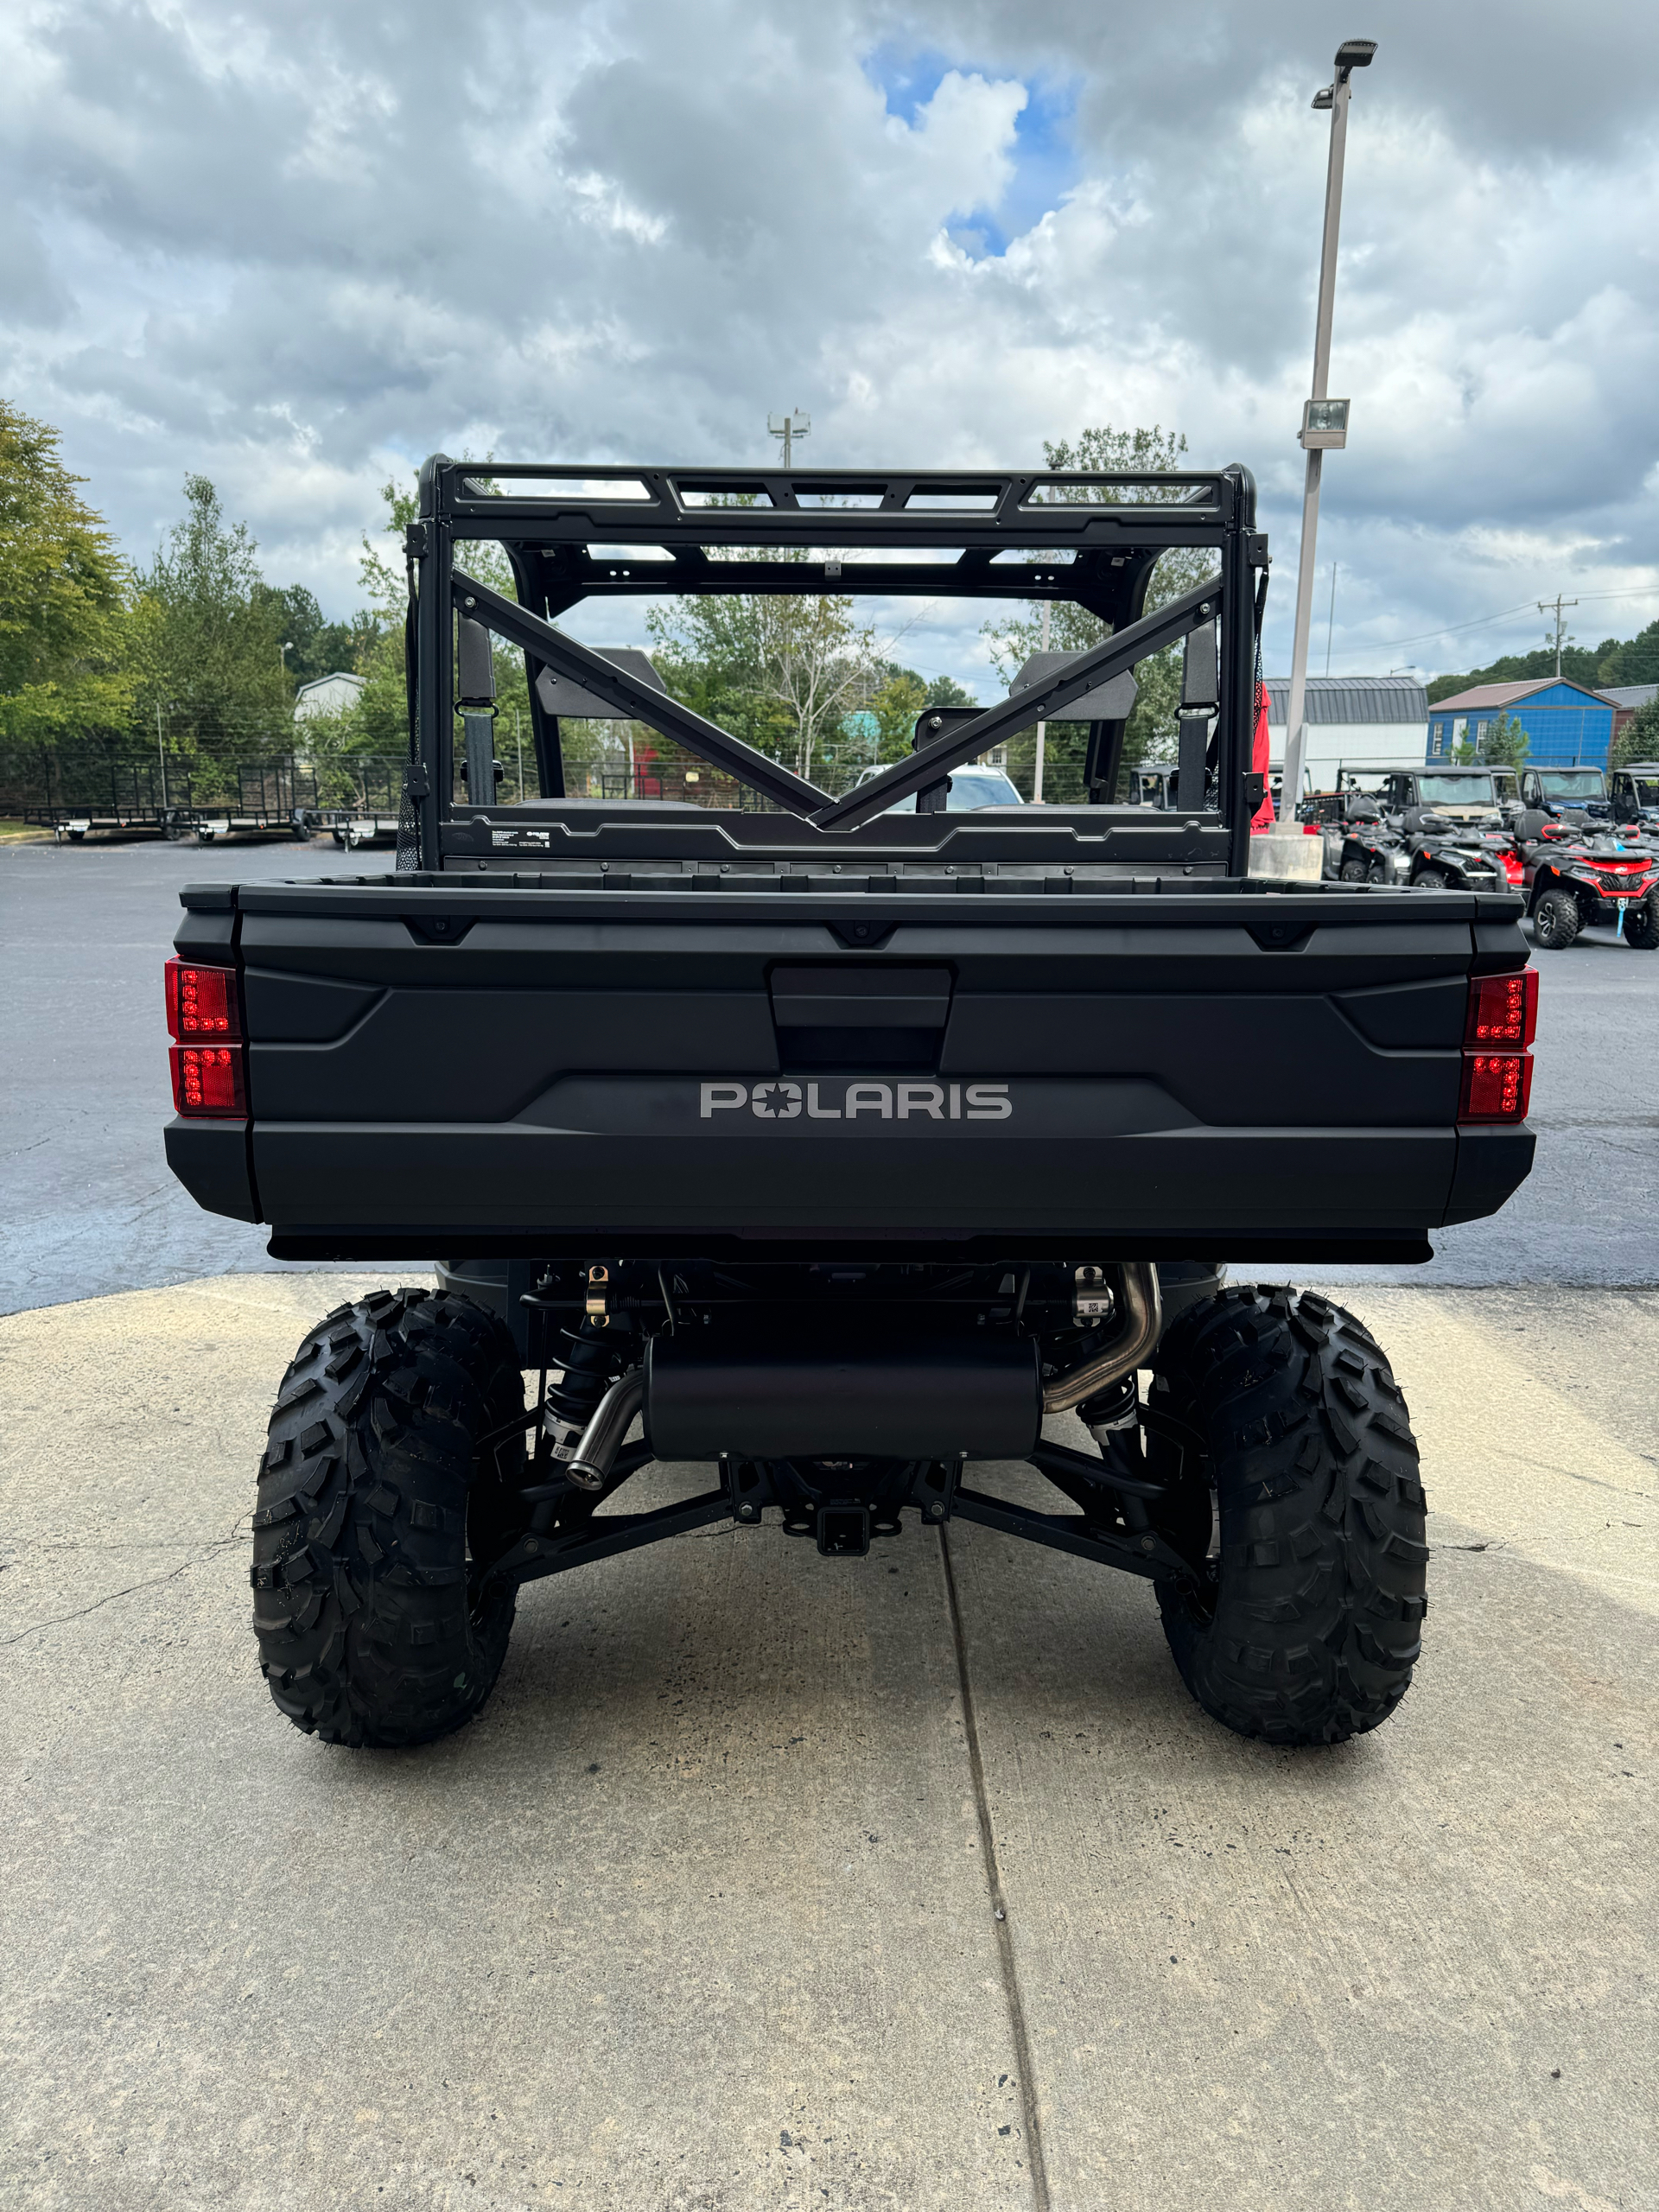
x=83 y=778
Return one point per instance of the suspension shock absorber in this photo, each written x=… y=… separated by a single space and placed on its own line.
x=587 y=1355
x=1112 y=1417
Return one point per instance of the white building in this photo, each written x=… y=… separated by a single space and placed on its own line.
x=1356 y=725
x=327 y=695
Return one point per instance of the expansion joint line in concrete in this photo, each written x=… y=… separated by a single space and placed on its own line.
x=1034 y=2160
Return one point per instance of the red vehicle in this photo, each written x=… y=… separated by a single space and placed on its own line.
x=1572 y=879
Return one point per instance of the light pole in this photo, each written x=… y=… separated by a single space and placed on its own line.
x=1324 y=422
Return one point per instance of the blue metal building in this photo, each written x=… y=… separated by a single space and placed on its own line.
x=1567 y=724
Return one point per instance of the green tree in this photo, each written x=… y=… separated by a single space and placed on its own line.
x=1505 y=744
x=316 y=647
x=209 y=659
x=1639 y=738
x=1635 y=661
x=63 y=632
x=897 y=706
x=1013 y=638
x=945 y=692
x=779 y=669
x=1614 y=661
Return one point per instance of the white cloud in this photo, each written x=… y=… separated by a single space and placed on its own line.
x=295 y=247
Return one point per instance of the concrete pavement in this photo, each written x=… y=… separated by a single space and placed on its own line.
x=701 y=1912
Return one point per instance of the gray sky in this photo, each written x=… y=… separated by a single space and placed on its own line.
x=298 y=247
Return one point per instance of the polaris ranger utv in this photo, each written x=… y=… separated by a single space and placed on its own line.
x=844 y=1145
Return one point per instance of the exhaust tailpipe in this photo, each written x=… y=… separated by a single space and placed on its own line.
x=602 y=1437
x=1144 y=1320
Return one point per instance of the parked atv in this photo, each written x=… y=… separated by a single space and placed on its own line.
x=1575 y=880
x=1371 y=850
x=1424 y=849
x=1456 y=856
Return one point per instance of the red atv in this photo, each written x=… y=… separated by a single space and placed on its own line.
x=1574 y=877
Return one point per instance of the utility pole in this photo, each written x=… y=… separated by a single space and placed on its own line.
x=1554 y=605
x=1325 y=421
x=1042 y=731
x=790 y=428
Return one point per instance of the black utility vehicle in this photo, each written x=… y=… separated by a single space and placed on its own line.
x=1456 y=794
x=1564 y=794
x=1635 y=793
x=844 y=1144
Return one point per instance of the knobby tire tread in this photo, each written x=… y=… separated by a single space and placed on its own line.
x=1309 y=1622
x=371 y=1489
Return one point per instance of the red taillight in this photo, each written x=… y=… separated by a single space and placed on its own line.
x=1502 y=1013
x=1503 y=1009
x=208 y=1079
x=202 y=1001
x=1495 y=1086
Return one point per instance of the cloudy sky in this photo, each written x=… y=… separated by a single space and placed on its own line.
x=296 y=247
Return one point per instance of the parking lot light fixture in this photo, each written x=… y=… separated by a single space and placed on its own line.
x=1325 y=421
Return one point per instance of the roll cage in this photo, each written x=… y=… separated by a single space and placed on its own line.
x=572 y=533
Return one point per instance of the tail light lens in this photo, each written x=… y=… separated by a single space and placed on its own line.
x=1495 y=1086
x=207 y=1080
x=204 y=1012
x=1501 y=1022
x=1503 y=1009
x=202 y=1001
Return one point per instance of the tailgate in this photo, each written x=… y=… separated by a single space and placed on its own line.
x=490 y=1068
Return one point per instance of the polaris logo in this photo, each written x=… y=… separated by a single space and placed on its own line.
x=778 y=1101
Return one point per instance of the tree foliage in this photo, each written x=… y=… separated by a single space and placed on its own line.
x=1505 y=745
x=1614 y=661
x=1639 y=738
x=210 y=662
x=779 y=669
x=62 y=593
x=1013 y=638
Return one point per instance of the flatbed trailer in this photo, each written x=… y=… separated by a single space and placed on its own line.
x=75 y=824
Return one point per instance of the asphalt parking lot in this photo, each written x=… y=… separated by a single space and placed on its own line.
x=909 y=1881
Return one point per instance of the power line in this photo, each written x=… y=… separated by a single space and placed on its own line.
x=1480 y=622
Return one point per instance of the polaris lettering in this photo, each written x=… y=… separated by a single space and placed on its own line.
x=779 y=1100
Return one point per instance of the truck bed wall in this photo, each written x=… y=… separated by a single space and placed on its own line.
x=538 y=1067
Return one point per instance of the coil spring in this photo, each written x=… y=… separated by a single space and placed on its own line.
x=587 y=1355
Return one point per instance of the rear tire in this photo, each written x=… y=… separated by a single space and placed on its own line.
x=1352 y=871
x=1430 y=879
x=1306 y=1624
x=373 y=1495
x=1556 y=921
